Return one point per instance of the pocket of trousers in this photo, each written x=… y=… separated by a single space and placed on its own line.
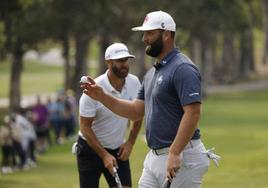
x=196 y=161
x=195 y=157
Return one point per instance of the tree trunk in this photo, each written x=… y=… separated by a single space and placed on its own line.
x=15 y=77
x=246 y=65
x=202 y=55
x=246 y=54
x=104 y=43
x=250 y=38
x=81 y=67
x=67 y=66
x=195 y=52
x=265 y=24
x=206 y=65
x=228 y=60
x=140 y=61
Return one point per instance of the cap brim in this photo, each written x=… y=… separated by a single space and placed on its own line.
x=141 y=28
x=123 y=56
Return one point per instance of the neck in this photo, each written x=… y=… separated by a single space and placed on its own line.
x=116 y=82
x=166 y=50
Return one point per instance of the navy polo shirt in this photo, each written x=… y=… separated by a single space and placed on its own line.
x=165 y=89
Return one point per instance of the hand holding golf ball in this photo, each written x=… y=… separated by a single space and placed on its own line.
x=90 y=88
x=84 y=79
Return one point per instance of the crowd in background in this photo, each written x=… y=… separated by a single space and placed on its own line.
x=33 y=130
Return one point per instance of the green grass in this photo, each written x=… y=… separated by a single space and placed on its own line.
x=235 y=124
x=36 y=78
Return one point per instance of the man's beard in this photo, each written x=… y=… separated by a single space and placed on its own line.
x=155 y=48
x=120 y=73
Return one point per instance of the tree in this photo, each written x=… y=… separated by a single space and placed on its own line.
x=23 y=29
x=59 y=27
x=265 y=25
x=246 y=66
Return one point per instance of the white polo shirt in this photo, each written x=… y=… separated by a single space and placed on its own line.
x=108 y=127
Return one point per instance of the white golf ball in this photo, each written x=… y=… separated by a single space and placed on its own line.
x=83 y=79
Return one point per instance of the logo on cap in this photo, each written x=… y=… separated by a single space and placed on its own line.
x=120 y=50
x=146 y=19
x=163 y=25
x=157 y=20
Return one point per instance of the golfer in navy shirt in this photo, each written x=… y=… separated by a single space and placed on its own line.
x=170 y=99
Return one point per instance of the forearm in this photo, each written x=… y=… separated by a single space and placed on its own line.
x=125 y=108
x=131 y=110
x=93 y=142
x=134 y=131
x=185 y=132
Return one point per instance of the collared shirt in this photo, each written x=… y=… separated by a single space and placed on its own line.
x=166 y=88
x=108 y=127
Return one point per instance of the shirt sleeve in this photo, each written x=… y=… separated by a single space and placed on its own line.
x=137 y=86
x=87 y=106
x=187 y=82
x=140 y=94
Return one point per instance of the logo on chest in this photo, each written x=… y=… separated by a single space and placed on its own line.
x=160 y=80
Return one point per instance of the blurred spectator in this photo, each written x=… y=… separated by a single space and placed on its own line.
x=6 y=142
x=28 y=138
x=56 y=111
x=69 y=115
x=40 y=119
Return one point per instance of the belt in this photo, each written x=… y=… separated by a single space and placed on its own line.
x=160 y=151
x=191 y=144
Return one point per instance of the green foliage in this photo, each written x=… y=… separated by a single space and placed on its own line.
x=2 y=36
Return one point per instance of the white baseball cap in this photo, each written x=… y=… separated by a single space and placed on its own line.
x=117 y=51
x=157 y=20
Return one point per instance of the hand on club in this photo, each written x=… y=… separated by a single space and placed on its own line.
x=167 y=183
x=173 y=165
x=117 y=179
x=109 y=162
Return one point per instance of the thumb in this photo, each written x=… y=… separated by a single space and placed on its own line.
x=120 y=151
x=115 y=163
x=91 y=80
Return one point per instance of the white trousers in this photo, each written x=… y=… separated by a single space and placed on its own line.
x=194 y=164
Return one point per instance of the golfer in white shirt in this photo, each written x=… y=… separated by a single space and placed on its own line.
x=101 y=144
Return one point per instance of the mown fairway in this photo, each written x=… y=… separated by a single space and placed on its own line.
x=236 y=124
x=36 y=78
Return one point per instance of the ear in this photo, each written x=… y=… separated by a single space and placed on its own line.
x=166 y=35
x=108 y=62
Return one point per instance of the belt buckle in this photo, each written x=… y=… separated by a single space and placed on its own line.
x=156 y=151
x=160 y=151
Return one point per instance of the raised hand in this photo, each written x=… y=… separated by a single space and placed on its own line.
x=91 y=89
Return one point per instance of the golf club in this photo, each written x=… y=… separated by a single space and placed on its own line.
x=167 y=184
x=117 y=179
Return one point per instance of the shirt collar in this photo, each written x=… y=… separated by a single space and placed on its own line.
x=167 y=58
x=110 y=88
